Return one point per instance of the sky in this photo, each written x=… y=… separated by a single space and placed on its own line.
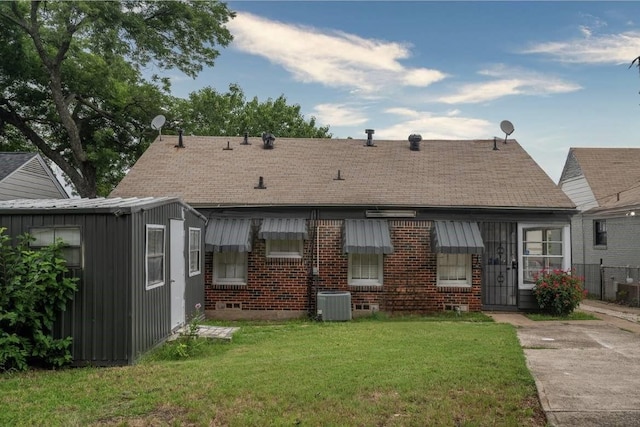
x=558 y=71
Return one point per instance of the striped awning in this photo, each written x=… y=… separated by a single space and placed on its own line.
x=228 y=235
x=456 y=237
x=283 y=229
x=367 y=236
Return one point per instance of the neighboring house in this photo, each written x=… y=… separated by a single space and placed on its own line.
x=27 y=176
x=604 y=183
x=140 y=267
x=401 y=227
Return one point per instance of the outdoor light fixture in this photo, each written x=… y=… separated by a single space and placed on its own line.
x=390 y=214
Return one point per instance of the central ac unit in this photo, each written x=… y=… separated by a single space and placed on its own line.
x=334 y=305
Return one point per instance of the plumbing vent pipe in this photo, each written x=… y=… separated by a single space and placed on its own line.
x=245 y=141
x=414 y=142
x=260 y=185
x=267 y=140
x=369 y=133
x=180 y=142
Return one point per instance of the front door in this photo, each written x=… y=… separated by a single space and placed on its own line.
x=500 y=271
x=176 y=254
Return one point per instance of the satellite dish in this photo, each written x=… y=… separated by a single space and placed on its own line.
x=507 y=128
x=157 y=123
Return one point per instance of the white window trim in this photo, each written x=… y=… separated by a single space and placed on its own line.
x=456 y=283
x=146 y=254
x=199 y=270
x=566 y=248
x=367 y=282
x=54 y=228
x=291 y=255
x=229 y=281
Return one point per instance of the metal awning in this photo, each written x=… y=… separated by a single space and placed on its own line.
x=283 y=229
x=456 y=237
x=228 y=235
x=367 y=236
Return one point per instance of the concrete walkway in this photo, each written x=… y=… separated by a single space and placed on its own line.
x=587 y=372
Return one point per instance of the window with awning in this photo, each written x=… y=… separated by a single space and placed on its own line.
x=366 y=236
x=456 y=237
x=229 y=235
x=284 y=237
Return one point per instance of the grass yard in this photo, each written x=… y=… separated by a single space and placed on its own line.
x=576 y=315
x=363 y=373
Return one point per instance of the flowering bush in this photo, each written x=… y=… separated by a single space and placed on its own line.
x=559 y=291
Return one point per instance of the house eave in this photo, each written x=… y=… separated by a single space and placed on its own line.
x=545 y=209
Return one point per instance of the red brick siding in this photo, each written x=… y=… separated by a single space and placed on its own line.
x=409 y=275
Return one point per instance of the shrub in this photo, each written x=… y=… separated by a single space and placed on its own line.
x=559 y=291
x=33 y=290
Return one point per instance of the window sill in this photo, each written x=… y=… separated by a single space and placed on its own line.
x=600 y=247
x=153 y=286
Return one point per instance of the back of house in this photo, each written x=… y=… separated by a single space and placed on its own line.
x=397 y=226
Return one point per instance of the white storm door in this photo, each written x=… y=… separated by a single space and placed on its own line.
x=176 y=254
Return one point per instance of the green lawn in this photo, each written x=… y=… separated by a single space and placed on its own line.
x=362 y=373
x=576 y=315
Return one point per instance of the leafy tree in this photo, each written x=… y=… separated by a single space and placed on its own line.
x=208 y=112
x=71 y=81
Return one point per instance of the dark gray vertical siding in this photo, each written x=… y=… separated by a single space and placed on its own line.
x=95 y=319
x=151 y=309
x=194 y=291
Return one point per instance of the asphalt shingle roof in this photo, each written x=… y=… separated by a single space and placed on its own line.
x=608 y=170
x=304 y=172
x=9 y=162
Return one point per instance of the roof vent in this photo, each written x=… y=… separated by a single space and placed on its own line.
x=260 y=185
x=267 y=140
x=414 y=142
x=369 y=133
x=180 y=143
x=245 y=141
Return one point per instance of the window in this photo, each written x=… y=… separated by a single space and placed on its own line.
x=542 y=248
x=230 y=267
x=284 y=248
x=155 y=256
x=454 y=270
x=195 y=251
x=72 y=252
x=600 y=232
x=365 y=269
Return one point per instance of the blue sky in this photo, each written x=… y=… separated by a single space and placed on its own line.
x=446 y=70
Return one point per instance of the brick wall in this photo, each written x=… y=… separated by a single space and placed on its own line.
x=281 y=288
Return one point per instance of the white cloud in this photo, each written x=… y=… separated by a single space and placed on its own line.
x=431 y=126
x=339 y=115
x=331 y=58
x=400 y=111
x=508 y=81
x=592 y=49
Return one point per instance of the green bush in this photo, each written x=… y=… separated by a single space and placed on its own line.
x=33 y=290
x=558 y=291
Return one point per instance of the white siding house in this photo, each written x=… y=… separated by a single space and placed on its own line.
x=27 y=176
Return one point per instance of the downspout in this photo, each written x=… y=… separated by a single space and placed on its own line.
x=313 y=270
